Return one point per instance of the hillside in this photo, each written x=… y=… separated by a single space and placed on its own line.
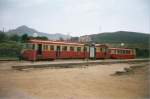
x=121 y=36
x=26 y=30
x=129 y=38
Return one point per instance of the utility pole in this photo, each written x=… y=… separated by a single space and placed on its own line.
x=35 y=47
x=3 y=30
x=100 y=29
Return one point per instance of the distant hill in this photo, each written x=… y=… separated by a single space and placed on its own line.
x=131 y=39
x=121 y=36
x=26 y=30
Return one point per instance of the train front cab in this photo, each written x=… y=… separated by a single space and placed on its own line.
x=122 y=53
x=37 y=51
x=29 y=51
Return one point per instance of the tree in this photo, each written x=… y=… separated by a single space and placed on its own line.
x=14 y=37
x=41 y=38
x=24 y=38
x=74 y=39
x=61 y=39
x=3 y=36
x=10 y=49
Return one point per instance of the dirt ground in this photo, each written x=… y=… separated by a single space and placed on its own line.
x=93 y=82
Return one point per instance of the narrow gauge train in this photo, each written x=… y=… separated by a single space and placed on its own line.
x=122 y=53
x=44 y=49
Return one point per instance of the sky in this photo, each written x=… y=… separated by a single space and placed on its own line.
x=76 y=17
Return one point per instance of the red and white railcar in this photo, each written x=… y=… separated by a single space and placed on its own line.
x=122 y=53
x=45 y=49
x=40 y=49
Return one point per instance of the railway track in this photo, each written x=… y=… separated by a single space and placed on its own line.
x=71 y=64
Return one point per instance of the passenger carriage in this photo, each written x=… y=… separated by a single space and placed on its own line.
x=40 y=49
x=44 y=49
x=122 y=53
x=50 y=50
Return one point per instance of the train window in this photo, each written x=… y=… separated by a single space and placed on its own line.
x=103 y=49
x=133 y=51
x=78 y=49
x=97 y=49
x=71 y=48
x=33 y=47
x=128 y=52
x=64 y=48
x=45 y=47
x=119 y=51
x=124 y=52
x=113 y=51
x=51 y=47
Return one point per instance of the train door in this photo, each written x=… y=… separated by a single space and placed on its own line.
x=39 y=49
x=104 y=51
x=58 y=51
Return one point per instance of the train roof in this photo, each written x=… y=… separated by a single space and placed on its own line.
x=121 y=48
x=61 y=42
x=54 y=42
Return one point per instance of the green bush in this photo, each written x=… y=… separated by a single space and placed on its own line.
x=10 y=49
x=142 y=53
